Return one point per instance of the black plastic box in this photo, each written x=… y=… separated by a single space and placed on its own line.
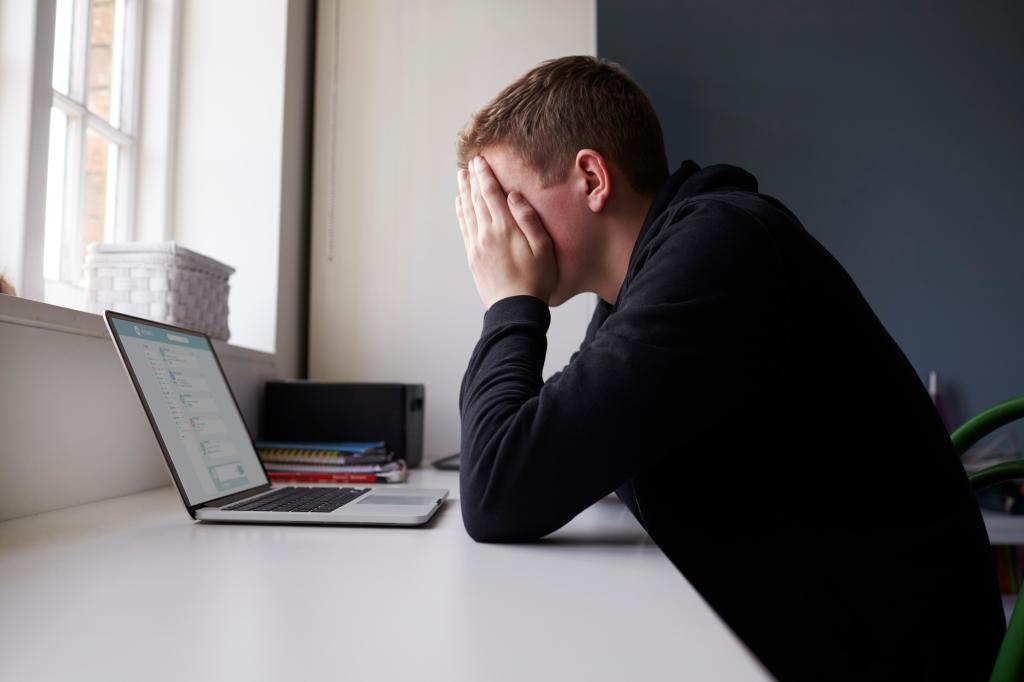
x=316 y=411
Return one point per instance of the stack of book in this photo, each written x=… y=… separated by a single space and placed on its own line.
x=343 y=462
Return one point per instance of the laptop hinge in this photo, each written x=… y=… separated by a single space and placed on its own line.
x=231 y=499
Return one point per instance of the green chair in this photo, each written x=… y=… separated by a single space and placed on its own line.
x=1009 y=666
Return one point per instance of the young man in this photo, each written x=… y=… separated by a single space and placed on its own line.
x=734 y=388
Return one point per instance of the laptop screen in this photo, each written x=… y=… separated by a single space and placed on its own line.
x=192 y=408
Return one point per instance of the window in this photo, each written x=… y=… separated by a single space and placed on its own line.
x=98 y=145
x=93 y=144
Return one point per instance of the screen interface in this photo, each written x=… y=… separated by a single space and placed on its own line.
x=192 y=406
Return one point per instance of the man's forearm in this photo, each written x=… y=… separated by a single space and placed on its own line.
x=504 y=373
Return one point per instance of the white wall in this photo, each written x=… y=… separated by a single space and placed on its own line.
x=72 y=429
x=391 y=298
x=157 y=121
x=228 y=178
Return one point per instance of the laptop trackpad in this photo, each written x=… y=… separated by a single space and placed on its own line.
x=416 y=500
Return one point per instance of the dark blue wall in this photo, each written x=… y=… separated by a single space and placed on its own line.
x=894 y=130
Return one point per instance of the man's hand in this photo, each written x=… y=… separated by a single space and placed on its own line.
x=509 y=251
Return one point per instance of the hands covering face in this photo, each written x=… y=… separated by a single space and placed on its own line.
x=509 y=251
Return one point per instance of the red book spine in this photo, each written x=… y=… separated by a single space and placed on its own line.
x=321 y=477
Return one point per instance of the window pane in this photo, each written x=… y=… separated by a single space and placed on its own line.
x=99 y=189
x=106 y=37
x=118 y=68
x=55 y=186
x=110 y=211
x=62 y=39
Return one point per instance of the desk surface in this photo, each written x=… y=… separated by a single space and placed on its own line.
x=131 y=588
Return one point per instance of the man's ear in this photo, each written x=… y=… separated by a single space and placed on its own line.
x=597 y=178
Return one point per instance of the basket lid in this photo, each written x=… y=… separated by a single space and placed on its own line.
x=157 y=248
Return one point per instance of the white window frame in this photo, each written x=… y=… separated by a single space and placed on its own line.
x=26 y=45
x=67 y=288
x=27 y=38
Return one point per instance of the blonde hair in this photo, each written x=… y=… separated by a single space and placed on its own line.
x=567 y=104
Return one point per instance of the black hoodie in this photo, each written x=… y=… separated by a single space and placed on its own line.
x=751 y=410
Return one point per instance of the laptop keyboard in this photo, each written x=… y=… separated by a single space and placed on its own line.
x=299 y=499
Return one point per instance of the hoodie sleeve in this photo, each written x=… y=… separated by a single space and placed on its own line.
x=535 y=454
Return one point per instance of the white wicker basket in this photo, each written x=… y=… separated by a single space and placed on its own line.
x=161 y=281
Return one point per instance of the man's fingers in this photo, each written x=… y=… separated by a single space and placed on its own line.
x=530 y=223
x=490 y=189
x=483 y=216
x=466 y=202
x=458 y=214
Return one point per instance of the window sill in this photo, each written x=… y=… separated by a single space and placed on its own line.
x=29 y=313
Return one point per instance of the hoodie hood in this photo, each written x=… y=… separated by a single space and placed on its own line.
x=689 y=181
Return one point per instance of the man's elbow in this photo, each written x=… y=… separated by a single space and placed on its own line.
x=495 y=506
x=487 y=523
x=484 y=532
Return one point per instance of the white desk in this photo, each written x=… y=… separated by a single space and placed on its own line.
x=132 y=589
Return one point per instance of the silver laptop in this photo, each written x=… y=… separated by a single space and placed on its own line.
x=210 y=454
